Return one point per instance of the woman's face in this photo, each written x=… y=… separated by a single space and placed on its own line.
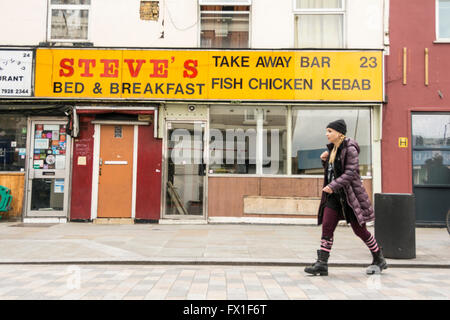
x=332 y=135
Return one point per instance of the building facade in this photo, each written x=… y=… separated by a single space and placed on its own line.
x=416 y=117
x=199 y=110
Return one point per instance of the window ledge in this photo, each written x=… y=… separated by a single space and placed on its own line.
x=12 y=173
x=57 y=43
x=441 y=41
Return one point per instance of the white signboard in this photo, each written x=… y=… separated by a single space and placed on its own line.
x=15 y=72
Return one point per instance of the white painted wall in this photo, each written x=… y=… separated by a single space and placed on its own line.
x=23 y=22
x=365 y=24
x=116 y=23
x=268 y=31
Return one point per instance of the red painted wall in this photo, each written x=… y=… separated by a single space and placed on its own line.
x=83 y=146
x=412 y=25
x=148 y=184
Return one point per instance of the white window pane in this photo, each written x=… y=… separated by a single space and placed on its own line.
x=72 y=2
x=69 y=24
x=248 y=140
x=444 y=19
x=319 y=31
x=318 y=4
x=233 y=140
x=431 y=131
x=431 y=148
x=309 y=140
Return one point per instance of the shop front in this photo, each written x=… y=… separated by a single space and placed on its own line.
x=35 y=158
x=210 y=136
x=34 y=144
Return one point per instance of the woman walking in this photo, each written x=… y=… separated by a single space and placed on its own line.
x=343 y=198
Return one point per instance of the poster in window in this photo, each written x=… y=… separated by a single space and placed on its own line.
x=16 y=72
x=60 y=162
x=51 y=127
x=59 y=186
x=41 y=143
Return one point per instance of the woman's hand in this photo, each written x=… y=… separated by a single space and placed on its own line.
x=324 y=156
x=327 y=189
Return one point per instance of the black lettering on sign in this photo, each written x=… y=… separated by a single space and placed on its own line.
x=226 y=83
x=68 y=87
x=114 y=88
x=273 y=62
x=307 y=62
x=346 y=84
x=57 y=87
x=370 y=62
x=231 y=62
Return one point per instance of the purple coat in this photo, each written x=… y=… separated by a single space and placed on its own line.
x=350 y=182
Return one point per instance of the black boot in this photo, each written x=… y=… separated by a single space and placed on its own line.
x=321 y=265
x=378 y=263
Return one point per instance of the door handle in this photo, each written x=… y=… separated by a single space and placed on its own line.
x=101 y=161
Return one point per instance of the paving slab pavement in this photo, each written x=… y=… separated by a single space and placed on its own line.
x=188 y=282
x=221 y=244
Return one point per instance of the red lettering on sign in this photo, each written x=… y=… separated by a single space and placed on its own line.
x=159 y=68
x=109 y=71
x=134 y=72
x=191 y=66
x=87 y=63
x=66 y=64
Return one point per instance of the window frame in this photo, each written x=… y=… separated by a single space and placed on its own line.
x=67 y=7
x=200 y=12
x=426 y=148
x=438 y=38
x=328 y=11
x=345 y=107
x=289 y=139
x=259 y=156
x=25 y=167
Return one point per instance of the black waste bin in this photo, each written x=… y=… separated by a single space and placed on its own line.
x=395 y=224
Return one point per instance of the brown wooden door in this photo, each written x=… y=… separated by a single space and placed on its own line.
x=115 y=179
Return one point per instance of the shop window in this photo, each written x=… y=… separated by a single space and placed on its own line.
x=443 y=20
x=431 y=149
x=247 y=140
x=13 y=140
x=68 y=20
x=309 y=140
x=225 y=25
x=319 y=23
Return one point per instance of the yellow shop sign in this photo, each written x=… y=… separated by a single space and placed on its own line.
x=210 y=74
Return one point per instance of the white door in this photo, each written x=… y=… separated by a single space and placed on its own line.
x=48 y=169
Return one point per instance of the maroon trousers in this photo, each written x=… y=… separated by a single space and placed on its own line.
x=330 y=221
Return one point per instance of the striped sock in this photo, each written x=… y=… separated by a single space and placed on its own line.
x=326 y=244
x=372 y=244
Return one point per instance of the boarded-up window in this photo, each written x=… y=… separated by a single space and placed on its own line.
x=149 y=10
